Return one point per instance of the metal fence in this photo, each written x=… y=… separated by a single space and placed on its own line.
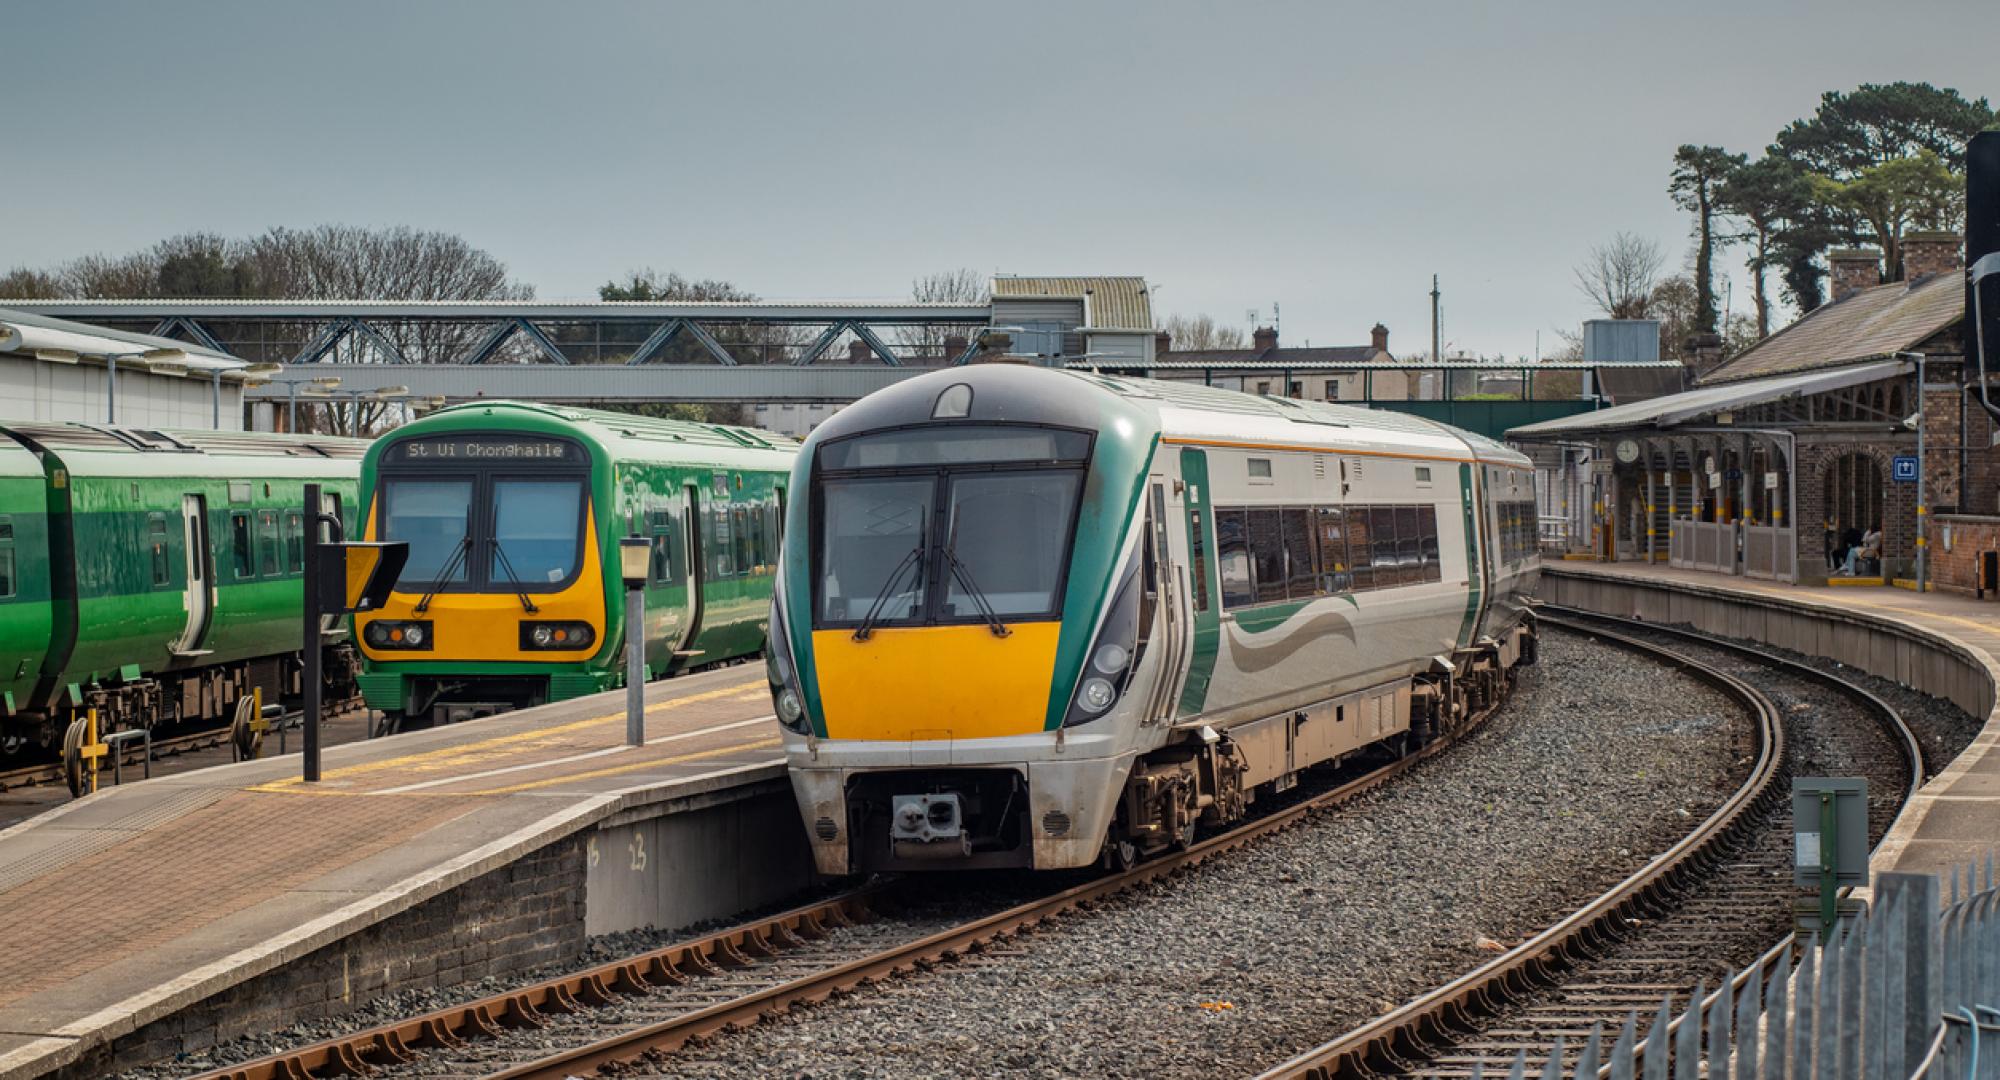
x=1770 y=552
x=1767 y=551
x=1904 y=989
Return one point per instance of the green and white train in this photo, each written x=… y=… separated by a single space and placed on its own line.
x=154 y=575
x=513 y=512
x=1038 y=618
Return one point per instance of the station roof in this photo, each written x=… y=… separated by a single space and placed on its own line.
x=30 y=334
x=1109 y=303
x=1675 y=409
x=1872 y=324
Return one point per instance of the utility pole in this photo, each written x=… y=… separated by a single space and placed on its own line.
x=1434 y=318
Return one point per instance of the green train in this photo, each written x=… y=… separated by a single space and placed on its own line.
x=154 y=575
x=512 y=596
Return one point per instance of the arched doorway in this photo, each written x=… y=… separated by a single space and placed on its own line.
x=1853 y=496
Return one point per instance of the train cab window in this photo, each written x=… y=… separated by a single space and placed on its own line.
x=537 y=531
x=1232 y=555
x=435 y=518
x=873 y=536
x=295 y=542
x=242 y=546
x=268 y=549
x=1427 y=524
x=156 y=549
x=1330 y=543
x=1007 y=536
x=1301 y=575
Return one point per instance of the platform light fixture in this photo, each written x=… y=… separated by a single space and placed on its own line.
x=634 y=556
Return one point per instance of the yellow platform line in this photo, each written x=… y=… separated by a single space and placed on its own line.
x=459 y=754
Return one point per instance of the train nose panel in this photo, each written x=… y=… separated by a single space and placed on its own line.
x=928 y=683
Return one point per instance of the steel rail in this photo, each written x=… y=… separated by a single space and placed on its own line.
x=207 y=738
x=1887 y=715
x=1390 y=1042
x=393 y=1043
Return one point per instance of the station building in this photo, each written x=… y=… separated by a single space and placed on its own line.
x=1791 y=449
x=54 y=369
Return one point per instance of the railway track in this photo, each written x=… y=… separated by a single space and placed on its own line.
x=1705 y=910
x=133 y=754
x=670 y=997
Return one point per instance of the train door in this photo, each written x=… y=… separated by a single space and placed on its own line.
x=199 y=597
x=1203 y=589
x=1164 y=615
x=697 y=574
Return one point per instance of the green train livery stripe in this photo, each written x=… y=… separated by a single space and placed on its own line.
x=1208 y=620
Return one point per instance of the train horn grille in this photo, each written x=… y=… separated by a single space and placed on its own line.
x=825 y=829
x=1055 y=823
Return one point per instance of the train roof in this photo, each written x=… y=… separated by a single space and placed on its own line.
x=625 y=435
x=107 y=450
x=15 y=460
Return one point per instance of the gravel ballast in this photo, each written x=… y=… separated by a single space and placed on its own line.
x=1601 y=761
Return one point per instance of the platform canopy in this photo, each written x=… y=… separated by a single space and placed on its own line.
x=1673 y=410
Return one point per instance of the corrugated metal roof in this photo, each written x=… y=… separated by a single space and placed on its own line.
x=1872 y=323
x=1672 y=409
x=1109 y=303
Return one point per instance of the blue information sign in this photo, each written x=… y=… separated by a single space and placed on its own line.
x=1904 y=470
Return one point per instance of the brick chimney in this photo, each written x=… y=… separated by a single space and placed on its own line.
x=1929 y=252
x=1854 y=269
x=1163 y=343
x=1264 y=338
x=1379 y=338
x=858 y=352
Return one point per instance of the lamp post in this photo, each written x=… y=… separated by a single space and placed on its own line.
x=1922 y=539
x=633 y=554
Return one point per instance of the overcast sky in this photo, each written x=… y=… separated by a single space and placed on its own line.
x=1326 y=157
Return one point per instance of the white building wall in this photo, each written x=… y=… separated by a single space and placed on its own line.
x=32 y=389
x=791 y=419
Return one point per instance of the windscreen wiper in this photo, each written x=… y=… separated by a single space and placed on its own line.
x=458 y=553
x=520 y=590
x=964 y=576
x=914 y=558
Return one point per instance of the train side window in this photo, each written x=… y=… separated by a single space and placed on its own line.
x=660 y=527
x=719 y=542
x=1267 y=554
x=1330 y=538
x=6 y=529
x=1409 y=547
x=1301 y=575
x=1232 y=554
x=1382 y=537
x=6 y=557
x=295 y=542
x=242 y=546
x=156 y=548
x=1427 y=525
x=747 y=543
x=1360 y=557
x=267 y=542
x=1198 y=559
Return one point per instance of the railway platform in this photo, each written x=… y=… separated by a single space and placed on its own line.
x=1945 y=645
x=420 y=860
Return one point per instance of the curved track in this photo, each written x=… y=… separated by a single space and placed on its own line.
x=1698 y=913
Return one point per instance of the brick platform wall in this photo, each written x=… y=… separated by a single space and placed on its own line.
x=522 y=915
x=1957 y=570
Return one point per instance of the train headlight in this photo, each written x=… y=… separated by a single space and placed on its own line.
x=779 y=670
x=556 y=636
x=1110 y=658
x=388 y=635
x=1114 y=655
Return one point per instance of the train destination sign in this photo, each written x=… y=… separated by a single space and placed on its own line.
x=440 y=450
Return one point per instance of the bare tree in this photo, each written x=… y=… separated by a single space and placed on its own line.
x=1619 y=276
x=1200 y=332
x=929 y=342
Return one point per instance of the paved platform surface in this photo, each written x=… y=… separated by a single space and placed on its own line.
x=1955 y=818
x=131 y=903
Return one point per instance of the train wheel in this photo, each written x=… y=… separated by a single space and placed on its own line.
x=72 y=756
x=244 y=735
x=1120 y=855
